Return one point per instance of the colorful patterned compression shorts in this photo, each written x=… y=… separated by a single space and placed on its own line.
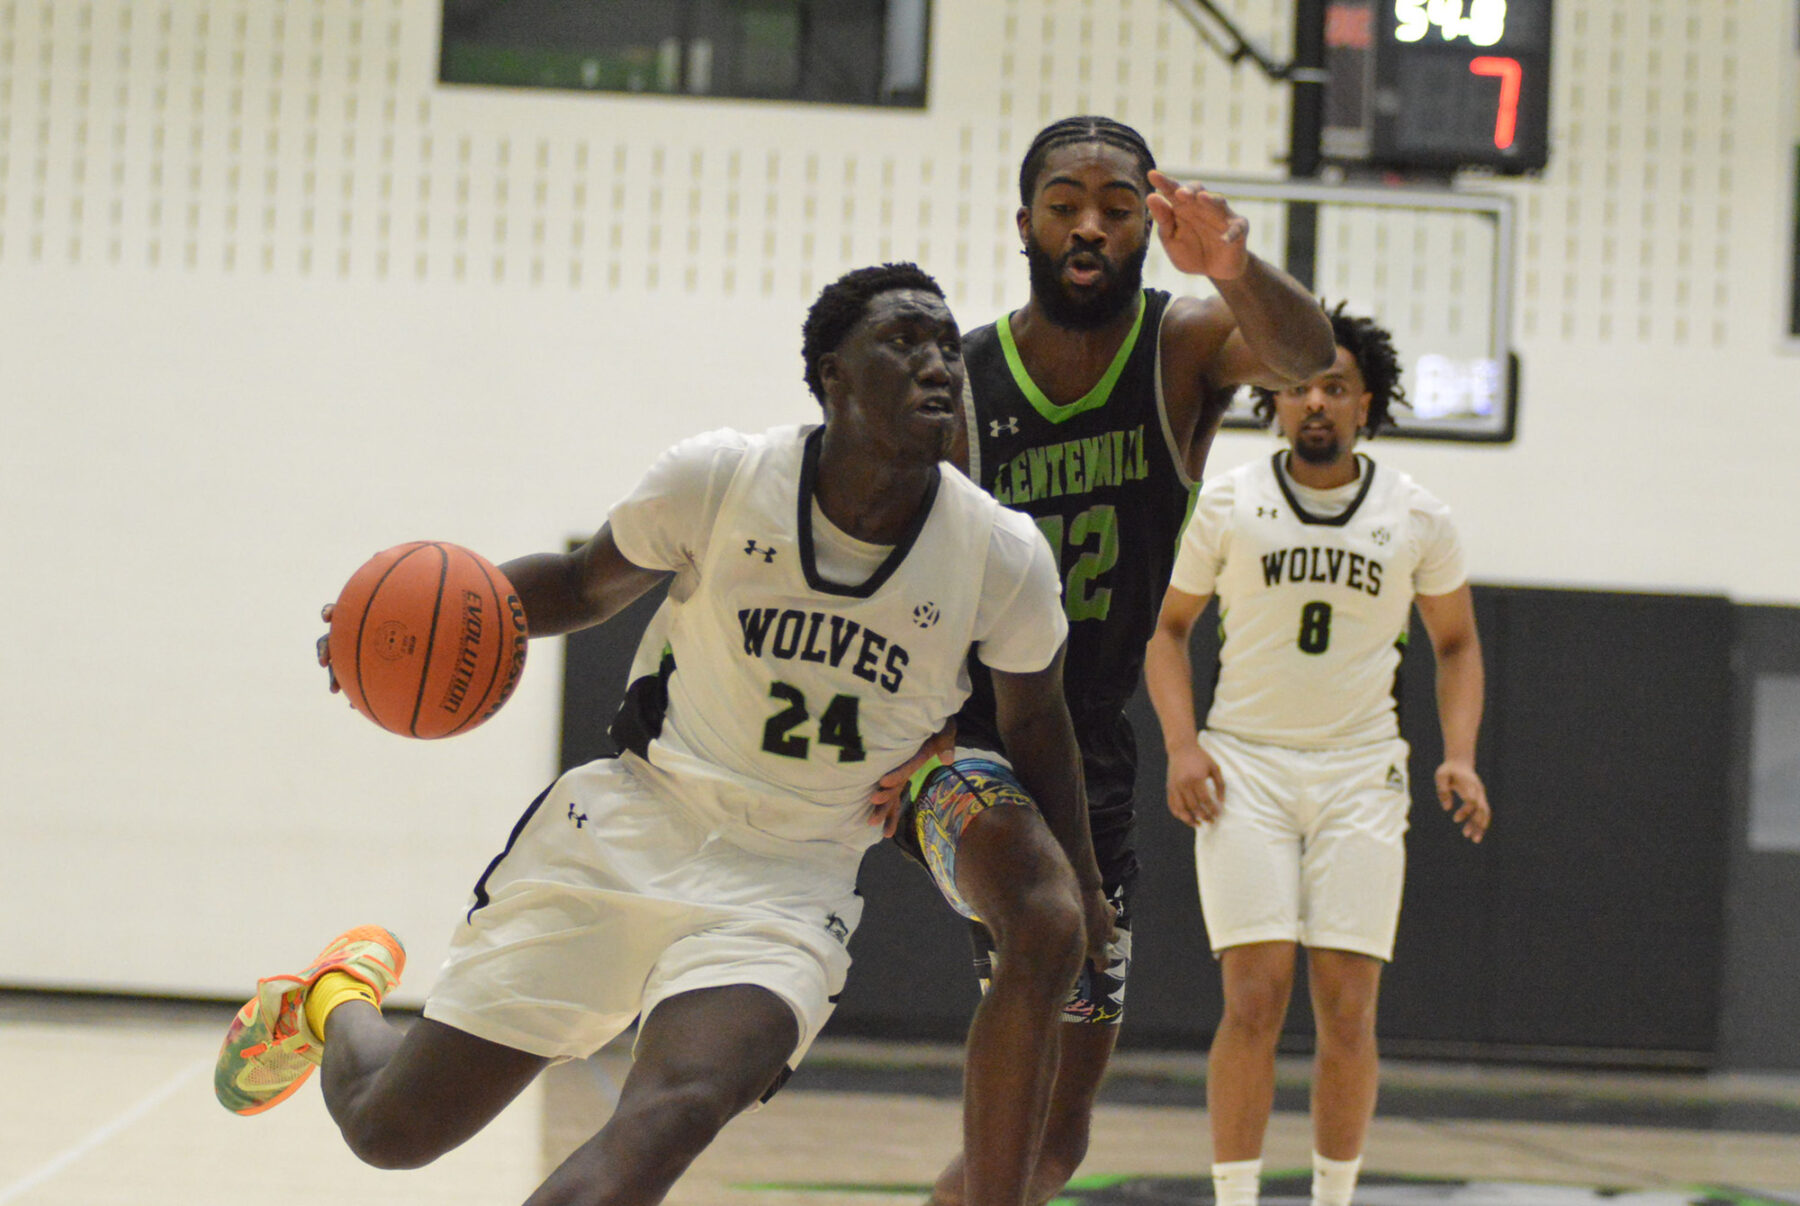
x=947 y=798
x=943 y=800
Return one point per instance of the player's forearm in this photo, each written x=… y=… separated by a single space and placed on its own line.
x=1282 y=323
x=549 y=588
x=1169 y=681
x=566 y=592
x=1461 y=684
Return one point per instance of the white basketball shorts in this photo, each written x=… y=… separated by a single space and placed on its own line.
x=1309 y=846
x=610 y=898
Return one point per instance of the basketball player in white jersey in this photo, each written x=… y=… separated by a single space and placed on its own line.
x=1297 y=786
x=828 y=583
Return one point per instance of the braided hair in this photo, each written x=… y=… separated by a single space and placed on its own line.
x=1372 y=347
x=842 y=304
x=1086 y=128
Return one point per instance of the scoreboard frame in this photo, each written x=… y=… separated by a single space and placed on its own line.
x=1439 y=85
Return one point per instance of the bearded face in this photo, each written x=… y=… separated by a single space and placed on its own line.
x=1083 y=288
x=1086 y=233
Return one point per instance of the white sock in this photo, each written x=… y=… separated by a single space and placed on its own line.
x=1237 y=1182
x=1334 y=1180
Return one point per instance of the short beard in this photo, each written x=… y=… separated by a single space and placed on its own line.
x=1119 y=289
x=1318 y=454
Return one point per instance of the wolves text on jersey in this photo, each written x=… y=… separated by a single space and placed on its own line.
x=1072 y=467
x=816 y=636
x=1315 y=564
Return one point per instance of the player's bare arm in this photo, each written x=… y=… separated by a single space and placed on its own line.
x=1277 y=321
x=1040 y=739
x=561 y=592
x=1450 y=623
x=1195 y=788
x=566 y=592
x=1264 y=328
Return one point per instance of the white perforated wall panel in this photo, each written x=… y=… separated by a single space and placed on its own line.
x=272 y=299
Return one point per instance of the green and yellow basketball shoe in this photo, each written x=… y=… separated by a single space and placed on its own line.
x=270 y=1050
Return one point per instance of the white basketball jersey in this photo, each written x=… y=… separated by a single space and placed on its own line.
x=1313 y=608
x=788 y=694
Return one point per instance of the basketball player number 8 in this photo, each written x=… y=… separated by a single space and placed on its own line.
x=1315 y=628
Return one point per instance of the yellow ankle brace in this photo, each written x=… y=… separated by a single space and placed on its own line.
x=331 y=990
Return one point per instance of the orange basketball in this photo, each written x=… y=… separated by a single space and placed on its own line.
x=427 y=639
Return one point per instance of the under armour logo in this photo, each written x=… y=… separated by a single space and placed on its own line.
x=751 y=547
x=1395 y=780
x=1381 y=535
x=925 y=615
x=1268 y=512
x=999 y=427
x=577 y=817
x=834 y=925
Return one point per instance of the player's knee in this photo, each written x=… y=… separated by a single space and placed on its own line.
x=1043 y=936
x=693 y=1109
x=1257 y=1003
x=391 y=1142
x=1055 y=936
x=1344 y=992
x=1346 y=1019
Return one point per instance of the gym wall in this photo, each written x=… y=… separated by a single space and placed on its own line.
x=274 y=299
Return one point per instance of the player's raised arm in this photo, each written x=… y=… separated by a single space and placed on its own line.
x=1266 y=328
x=566 y=592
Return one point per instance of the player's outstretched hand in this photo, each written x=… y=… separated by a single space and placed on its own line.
x=1199 y=230
x=884 y=801
x=1458 y=781
x=324 y=647
x=1097 y=914
x=1196 y=787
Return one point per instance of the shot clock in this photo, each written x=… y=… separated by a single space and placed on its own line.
x=1439 y=84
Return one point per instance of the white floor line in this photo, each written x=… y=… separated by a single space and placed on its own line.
x=96 y=1138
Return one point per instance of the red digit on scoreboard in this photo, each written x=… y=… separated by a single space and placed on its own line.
x=1509 y=73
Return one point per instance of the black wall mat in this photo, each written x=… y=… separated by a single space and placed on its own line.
x=1760 y=1027
x=1589 y=927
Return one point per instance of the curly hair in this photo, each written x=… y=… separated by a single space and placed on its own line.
x=1086 y=128
x=1372 y=347
x=841 y=305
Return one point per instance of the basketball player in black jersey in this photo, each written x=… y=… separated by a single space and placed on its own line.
x=1092 y=409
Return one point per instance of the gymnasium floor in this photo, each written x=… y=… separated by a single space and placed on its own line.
x=108 y=1102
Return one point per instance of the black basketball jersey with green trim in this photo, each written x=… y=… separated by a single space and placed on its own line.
x=1101 y=477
